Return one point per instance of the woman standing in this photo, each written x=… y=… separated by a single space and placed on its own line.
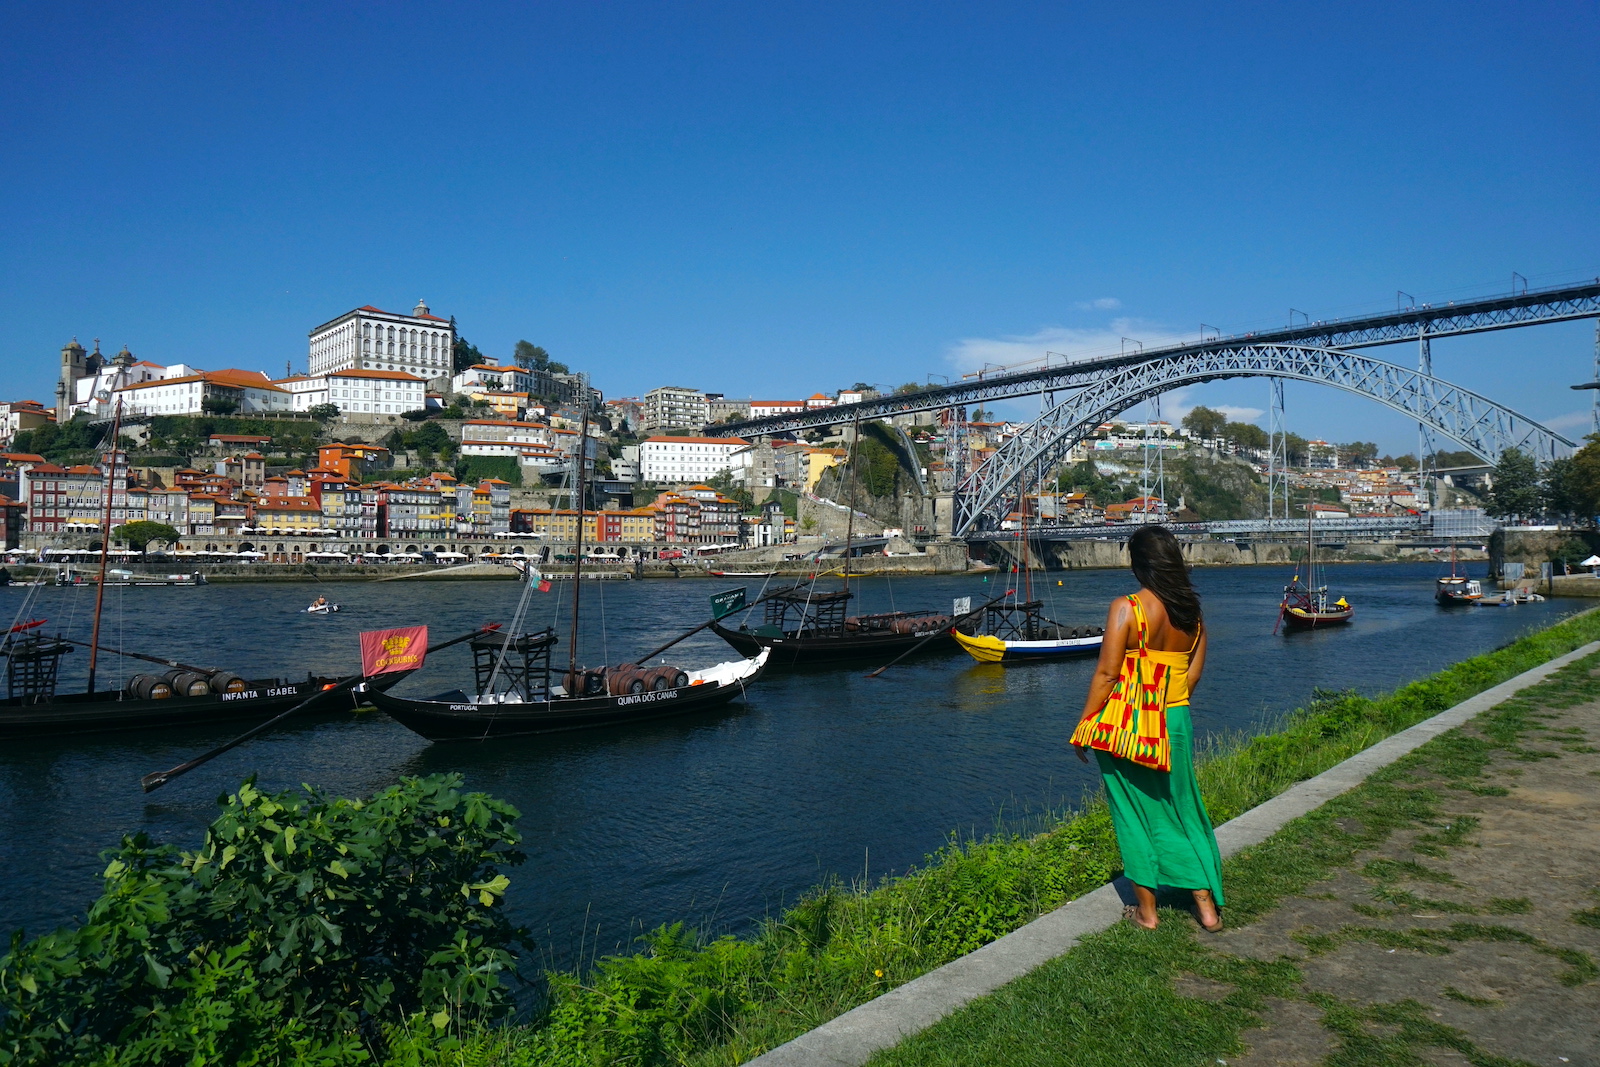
x=1163 y=829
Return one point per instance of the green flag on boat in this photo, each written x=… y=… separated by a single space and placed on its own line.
x=725 y=604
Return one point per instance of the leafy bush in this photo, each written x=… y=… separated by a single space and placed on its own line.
x=300 y=926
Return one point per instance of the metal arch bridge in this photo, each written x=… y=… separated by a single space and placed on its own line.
x=1422 y=323
x=1482 y=426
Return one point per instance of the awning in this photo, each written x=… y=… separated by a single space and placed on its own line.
x=1592 y=561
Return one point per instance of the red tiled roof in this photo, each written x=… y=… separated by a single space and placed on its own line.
x=396 y=375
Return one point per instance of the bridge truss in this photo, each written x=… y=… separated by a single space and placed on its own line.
x=1487 y=429
x=1420 y=324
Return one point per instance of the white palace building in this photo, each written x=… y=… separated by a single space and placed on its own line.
x=369 y=338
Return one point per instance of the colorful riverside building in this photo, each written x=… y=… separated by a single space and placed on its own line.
x=635 y=526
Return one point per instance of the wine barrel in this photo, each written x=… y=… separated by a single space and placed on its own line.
x=187 y=683
x=625 y=678
x=149 y=687
x=226 y=682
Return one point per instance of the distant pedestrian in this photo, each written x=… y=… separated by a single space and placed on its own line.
x=1163 y=829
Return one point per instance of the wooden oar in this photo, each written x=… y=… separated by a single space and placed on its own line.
x=141 y=655
x=152 y=782
x=957 y=621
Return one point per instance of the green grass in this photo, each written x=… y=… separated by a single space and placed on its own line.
x=1116 y=998
x=696 y=1001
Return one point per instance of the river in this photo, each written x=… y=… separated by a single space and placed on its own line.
x=718 y=818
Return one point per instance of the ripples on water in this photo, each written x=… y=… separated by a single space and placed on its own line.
x=717 y=818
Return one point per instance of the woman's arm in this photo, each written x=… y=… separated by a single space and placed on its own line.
x=1197 y=661
x=1109 y=666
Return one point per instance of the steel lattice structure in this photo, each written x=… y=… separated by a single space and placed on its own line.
x=1526 y=308
x=1483 y=427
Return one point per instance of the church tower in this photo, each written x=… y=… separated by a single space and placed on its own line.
x=72 y=369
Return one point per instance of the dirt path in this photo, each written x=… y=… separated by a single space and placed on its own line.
x=1466 y=936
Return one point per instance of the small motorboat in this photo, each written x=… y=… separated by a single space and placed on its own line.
x=324 y=608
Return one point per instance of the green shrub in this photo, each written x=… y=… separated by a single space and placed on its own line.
x=302 y=923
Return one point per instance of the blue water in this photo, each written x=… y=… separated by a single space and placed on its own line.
x=716 y=818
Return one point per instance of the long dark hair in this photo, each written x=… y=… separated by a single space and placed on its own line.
x=1158 y=564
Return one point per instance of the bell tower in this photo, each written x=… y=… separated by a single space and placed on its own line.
x=72 y=370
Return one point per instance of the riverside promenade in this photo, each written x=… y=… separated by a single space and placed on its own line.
x=1434 y=899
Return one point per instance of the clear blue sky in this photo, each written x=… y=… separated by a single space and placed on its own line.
x=776 y=199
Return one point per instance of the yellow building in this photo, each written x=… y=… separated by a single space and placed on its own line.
x=559 y=525
x=818 y=460
x=283 y=514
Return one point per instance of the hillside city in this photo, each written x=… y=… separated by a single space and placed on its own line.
x=400 y=430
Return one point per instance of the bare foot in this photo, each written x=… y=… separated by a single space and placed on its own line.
x=1205 y=911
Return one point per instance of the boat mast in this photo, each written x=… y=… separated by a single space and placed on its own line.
x=1311 y=553
x=850 y=520
x=580 y=457
x=105 y=540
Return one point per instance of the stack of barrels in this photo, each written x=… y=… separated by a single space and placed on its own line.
x=182 y=683
x=921 y=624
x=627 y=678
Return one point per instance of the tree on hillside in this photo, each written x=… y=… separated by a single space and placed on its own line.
x=219 y=405
x=464 y=354
x=138 y=535
x=1205 y=423
x=1405 y=462
x=1085 y=477
x=324 y=412
x=1245 y=436
x=1559 y=492
x=530 y=356
x=1517 y=492
x=1580 y=481
x=1359 y=453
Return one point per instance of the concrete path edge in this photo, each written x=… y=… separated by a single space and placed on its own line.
x=852 y=1038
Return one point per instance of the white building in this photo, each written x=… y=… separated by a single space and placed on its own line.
x=305 y=392
x=90 y=381
x=244 y=392
x=674 y=407
x=687 y=459
x=492 y=377
x=505 y=430
x=370 y=338
x=376 y=392
x=761 y=409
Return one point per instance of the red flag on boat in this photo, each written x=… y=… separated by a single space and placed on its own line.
x=544 y=585
x=384 y=651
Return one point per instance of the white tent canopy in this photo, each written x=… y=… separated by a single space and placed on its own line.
x=1592 y=561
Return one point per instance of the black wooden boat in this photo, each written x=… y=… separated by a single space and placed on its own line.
x=802 y=626
x=517 y=697
x=177 y=697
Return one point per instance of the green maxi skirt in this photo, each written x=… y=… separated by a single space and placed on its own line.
x=1162 y=825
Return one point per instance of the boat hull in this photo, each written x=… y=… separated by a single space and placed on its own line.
x=1301 y=619
x=84 y=714
x=988 y=649
x=439 y=720
x=790 y=651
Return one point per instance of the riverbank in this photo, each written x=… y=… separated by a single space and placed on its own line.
x=1442 y=911
x=650 y=823
x=726 y=1001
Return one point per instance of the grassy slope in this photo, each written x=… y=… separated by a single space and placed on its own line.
x=1075 y=1010
x=724 y=1002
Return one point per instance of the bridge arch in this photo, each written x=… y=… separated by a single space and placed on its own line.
x=1478 y=424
